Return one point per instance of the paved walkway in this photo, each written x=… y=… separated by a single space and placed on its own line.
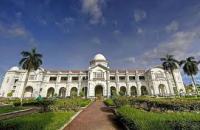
x=96 y=117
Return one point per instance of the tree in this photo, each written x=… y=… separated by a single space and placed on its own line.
x=190 y=67
x=169 y=64
x=30 y=61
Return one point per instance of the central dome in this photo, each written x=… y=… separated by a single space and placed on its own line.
x=99 y=57
x=14 y=68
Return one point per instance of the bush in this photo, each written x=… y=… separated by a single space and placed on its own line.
x=165 y=104
x=73 y=104
x=109 y=102
x=26 y=102
x=121 y=101
x=45 y=104
x=160 y=104
x=142 y=120
x=10 y=94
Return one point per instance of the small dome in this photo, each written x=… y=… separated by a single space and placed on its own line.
x=14 y=68
x=99 y=57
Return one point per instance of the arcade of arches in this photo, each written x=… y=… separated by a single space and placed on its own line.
x=98 y=91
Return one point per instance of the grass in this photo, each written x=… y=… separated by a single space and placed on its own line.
x=139 y=119
x=38 y=121
x=6 y=109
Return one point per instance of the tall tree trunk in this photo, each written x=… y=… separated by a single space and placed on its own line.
x=23 y=89
x=172 y=72
x=194 y=84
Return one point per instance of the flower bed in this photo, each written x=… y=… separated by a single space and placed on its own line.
x=73 y=104
x=166 y=104
x=143 y=120
x=160 y=104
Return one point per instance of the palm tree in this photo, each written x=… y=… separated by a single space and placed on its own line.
x=190 y=67
x=30 y=61
x=170 y=64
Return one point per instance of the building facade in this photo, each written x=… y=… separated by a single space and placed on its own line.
x=98 y=80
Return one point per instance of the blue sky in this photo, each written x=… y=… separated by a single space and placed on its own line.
x=130 y=33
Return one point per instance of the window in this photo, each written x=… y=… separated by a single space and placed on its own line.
x=16 y=80
x=63 y=79
x=40 y=89
x=159 y=75
x=85 y=78
x=131 y=77
x=98 y=75
x=31 y=77
x=112 y=77
x=53 y=79
x=141 y=78
x=14 y=87
x=74 y=78
x=122 y=78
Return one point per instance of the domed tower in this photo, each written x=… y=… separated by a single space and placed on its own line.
x=99 y=59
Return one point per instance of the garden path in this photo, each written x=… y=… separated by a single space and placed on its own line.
x=95 y=117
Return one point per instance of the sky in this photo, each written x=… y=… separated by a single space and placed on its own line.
x=129 y=33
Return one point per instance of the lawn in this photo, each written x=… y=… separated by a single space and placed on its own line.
x=143 y=120
x=38 y=121
x=6 y=109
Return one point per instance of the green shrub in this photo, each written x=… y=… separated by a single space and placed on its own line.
x=71 y=104
x=121 y=101
x=162 y=104
x=143 y=120
x=10 y=94
x=45 y=104
x=81 y=94
x=109 y=102
x=26 y=102
x=174 y=104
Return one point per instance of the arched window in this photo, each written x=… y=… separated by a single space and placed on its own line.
x=144 y=90
x=113 y=91
x=74 y=92
x=133 y=91
x=50 y=92
x=28 y=91
x=122 y=91
x=161 y=88
x=62 y=92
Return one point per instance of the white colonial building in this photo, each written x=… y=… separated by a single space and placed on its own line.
x=98 y=80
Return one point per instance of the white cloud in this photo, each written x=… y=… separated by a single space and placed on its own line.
x=69 y=20
x=130 y=59
x=93 y=8
x=16 y=30
x=139 y=15
x=140 y=30
x=65 y=24
x=179 y=45
x=13 y=30
x=172 y=27
x=96 y=41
